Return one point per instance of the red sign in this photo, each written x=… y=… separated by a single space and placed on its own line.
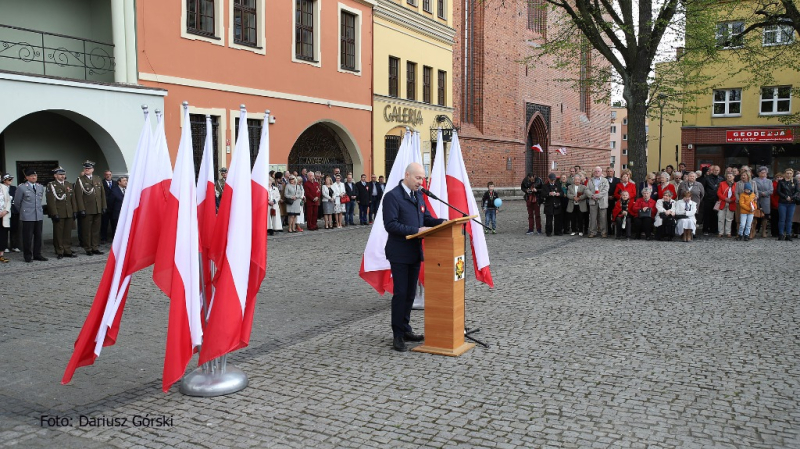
x=760 y=135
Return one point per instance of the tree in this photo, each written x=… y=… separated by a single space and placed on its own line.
x=775 y=12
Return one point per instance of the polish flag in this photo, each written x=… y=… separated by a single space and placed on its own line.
x=258 y=256
x=438 y=181
x=206 y=207
x=177 y=267
x=562 y=151
x=375 y=268
x=460 y=195
x=134 y=247
x=537 y=148
x=231 y=253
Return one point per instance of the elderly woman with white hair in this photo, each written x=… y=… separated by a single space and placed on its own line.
x=664 y=184
x=665 y=217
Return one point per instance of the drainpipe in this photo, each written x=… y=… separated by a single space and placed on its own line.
x=372 y=95
x=118 y=37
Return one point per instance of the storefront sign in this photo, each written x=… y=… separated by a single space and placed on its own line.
x=760 y=135
x=408 y=116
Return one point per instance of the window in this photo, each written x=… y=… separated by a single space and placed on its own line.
x=200 y=17
x=441 y=87
x=394 y=72
x=426 y=5
x=198 y=127
x=624 y=166
x=427 y=73
x=613 y=144
x=412 y=2
x=624 y=151
x=253 y=136
x=778 y=35
x=411 y=80
x=729 y=34
x=624 y=137
x=348 y=41
x=244 y=22
x=613 y=130
x=304 y=30
x=613 y=115
x=727 y=102
x=776 y=100
x=613 y=160
x=537 y=16
x=625 y=121
x=440 y=9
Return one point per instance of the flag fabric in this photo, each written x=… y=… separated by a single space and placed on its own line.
x=258 y=256
x=439 y=181
x=375 y=268
x=562 y=151
x=231 y=252
x=460 y=194
x=134 y=247
x=537 y=148
x=206 y=207
x=177 y=266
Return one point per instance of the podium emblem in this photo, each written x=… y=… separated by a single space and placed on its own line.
x=459 y=267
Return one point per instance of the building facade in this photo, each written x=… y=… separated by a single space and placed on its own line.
x=412 y=75
x=306 y=61
x=503 y=107
x=619 y=138
x=737 y=124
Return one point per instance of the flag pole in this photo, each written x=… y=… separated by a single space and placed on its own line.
x=215 y=377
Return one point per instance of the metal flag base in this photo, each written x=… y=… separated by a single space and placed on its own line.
x=215 y=378
x=419 y=299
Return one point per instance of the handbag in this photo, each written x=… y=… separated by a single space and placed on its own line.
x=717 y=206
x=758 y=213
x=345 y=199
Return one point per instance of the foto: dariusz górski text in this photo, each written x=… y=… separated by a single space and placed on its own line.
x=146 y=420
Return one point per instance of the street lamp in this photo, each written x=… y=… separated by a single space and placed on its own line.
x=662 y=100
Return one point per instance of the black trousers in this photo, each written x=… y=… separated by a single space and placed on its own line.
x=31 y=239
x=773 y=222
x=628 y=225
x=553 y=222
x=16 y=229
x=105 y=226
x=643 y=224
x=405 y=277
x=710 y=220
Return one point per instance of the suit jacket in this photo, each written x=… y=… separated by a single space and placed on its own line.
x=115 y=199
x=612 y=188
x=376 y=187
x=350 y=190
x=90 y=195
x=552 y=204
x=401 y=217
x=603 y=188
x=313 y=190
x=28 y=199
x=581 y=195
x=60 y=199
x=108 y=187
x=363 y=193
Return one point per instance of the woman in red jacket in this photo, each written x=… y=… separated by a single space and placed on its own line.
x=625 y=185
x=726 y=194
x=665 y=185
x=623 y=215
x=644 y=210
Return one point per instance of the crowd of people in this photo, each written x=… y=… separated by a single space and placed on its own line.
x=741 y=203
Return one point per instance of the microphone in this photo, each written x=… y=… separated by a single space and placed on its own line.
x=429 y=193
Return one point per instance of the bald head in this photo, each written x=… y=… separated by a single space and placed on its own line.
x=415 y=174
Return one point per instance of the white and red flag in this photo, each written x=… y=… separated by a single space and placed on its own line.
x=537 y=148
x=177 y=266
x=562 y=151
x=206 y=207
x=134 y=247
x=375 y=268
x=438 y=185
x=231 y=252
x=460 y=194
x=258 y=255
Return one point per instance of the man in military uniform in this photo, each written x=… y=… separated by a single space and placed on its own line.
x=219 y=186
x=28 y=199
x=90 y=197
x=61 y=208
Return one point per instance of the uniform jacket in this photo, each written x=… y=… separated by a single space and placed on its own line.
x=630 y=188
x=90 y=195
x=722 y=195
x=603 y=193
x=60 y=199
x=552 y=204
x=219 y=186
x=401 y=217
x=28 y=199
x=576 y=191
x=363 y=193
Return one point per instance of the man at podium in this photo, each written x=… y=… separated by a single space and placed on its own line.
x=404 y=213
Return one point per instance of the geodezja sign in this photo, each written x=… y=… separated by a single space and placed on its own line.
x=760 y=135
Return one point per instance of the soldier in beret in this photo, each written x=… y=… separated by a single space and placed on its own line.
x=28 y=199
x=219 y=186
x=90 y=197
x=61 y=208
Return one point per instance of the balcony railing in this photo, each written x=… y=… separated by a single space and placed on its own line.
x=38 y=52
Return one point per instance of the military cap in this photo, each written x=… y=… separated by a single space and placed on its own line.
x=30 y=171
x=59 y=171
x=88 y=164
x=8 y=176
x=223 y=170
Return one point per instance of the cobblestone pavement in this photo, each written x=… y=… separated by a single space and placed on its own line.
x=594 y=343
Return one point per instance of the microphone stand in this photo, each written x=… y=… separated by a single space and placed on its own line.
x=467 y=331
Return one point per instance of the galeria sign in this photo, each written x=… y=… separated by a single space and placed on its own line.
x=408 y=116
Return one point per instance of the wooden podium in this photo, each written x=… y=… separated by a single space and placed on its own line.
x=445 y=268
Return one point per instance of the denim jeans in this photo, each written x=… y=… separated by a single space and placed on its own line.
x=491 y=218
x=745 y=221
x=350 y=210
x=785 y=214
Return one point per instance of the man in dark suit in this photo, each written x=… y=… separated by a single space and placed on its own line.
x=108 y=184
x=613 y=181
x=551 y=198
x=115 y=198
x=404 y=214
x=376 y=193
x=363 y=194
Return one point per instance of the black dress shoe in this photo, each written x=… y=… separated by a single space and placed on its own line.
x=59 y=257
x=71 y=255
x=89 y=253
x=28 y=260
x=410 y=336
x=41 y=258
x=398 y=344
x=97 y=251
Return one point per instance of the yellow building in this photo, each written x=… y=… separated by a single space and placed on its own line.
x=412 y=63
x=737 y=124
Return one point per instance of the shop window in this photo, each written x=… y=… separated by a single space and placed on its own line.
x=727 y=103
x=776 y=100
